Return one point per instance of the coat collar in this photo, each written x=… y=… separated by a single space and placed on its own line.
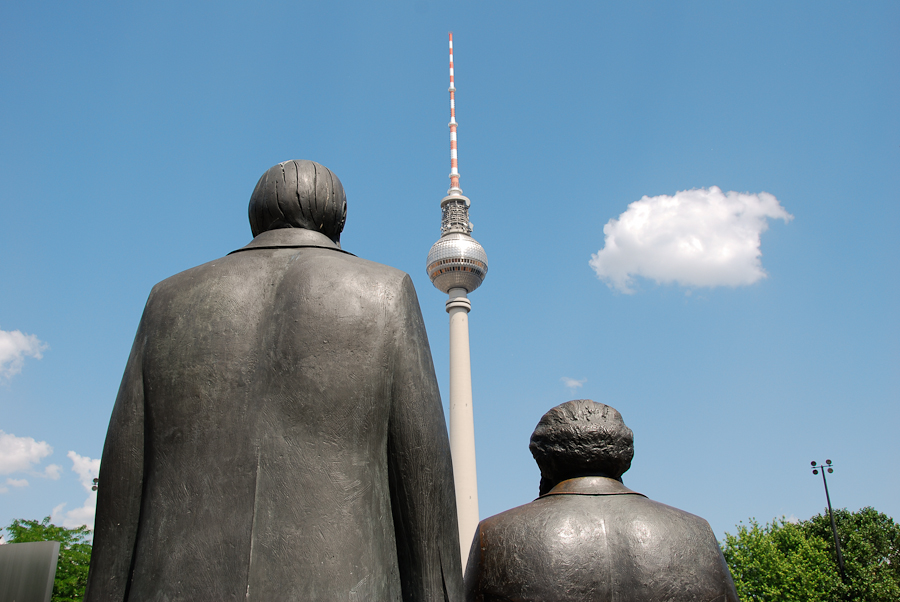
x=591 y=486
x=291 y=238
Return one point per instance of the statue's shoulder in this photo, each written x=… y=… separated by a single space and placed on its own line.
x=198 y=276
x=187 y=278
x=348 y=275
x=250 y=274
x=524 y=521
x=549 y=516
x=671 y=515
x=373 y=269
x=312 y=254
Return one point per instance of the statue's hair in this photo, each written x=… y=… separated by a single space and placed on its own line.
x=581 y=438
x=299 y=194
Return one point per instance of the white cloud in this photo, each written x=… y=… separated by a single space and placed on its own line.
x=20 y=453
x=14 y=348
x=86 y=469
x=696 y=238
x=571 y=383
x=52 y=471
x=10 y=482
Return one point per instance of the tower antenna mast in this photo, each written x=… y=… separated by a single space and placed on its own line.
x=454 y=159
x=457 y=265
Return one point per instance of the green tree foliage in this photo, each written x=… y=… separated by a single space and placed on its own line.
x=74 y=554
x=778 y=562
x=870 y=544
x=795 y=562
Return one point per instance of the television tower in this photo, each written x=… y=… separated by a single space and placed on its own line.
x=457 y=265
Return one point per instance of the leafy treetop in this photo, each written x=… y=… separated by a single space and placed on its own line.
x=74 y=554
x=796 y=561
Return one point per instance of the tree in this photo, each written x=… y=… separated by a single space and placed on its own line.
x=870 y=543
x=778 y=562
x=74 y=554
x=795 y=562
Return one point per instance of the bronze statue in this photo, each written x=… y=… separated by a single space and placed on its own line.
x=588 y=537
x=278 y=434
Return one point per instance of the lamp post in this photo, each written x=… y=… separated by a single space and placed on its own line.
x=827 y=467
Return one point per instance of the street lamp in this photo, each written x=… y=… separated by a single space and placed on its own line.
x=827 y=467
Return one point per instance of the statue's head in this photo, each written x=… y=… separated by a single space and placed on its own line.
x=581 y=438
x=299 y=194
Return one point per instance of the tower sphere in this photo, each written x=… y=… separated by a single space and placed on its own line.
x=457 y=261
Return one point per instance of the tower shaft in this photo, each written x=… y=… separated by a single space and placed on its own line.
x=462 y=421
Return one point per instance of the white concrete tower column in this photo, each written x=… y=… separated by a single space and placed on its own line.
x=462 y=424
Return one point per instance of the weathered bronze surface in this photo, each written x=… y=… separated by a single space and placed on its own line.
x=278 y=434
x=588 y=537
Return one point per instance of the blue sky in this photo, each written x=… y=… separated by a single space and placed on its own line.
x=132 y=136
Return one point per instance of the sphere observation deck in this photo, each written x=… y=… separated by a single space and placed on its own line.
x=456 y=260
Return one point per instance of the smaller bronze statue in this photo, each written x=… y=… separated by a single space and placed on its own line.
x=588 y=537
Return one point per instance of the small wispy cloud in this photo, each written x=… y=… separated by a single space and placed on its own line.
x=571 y=383
x=13 y=483
x=695 y=238
x=87 y=469
x=14 y=348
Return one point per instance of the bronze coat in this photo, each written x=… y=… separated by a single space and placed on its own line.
x=278 y=435
x=592 y=539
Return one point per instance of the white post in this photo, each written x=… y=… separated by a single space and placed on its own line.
x=462 y=425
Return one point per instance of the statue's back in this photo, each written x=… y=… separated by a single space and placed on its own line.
x=266 y=398
x=281 y=393
x=596 y=549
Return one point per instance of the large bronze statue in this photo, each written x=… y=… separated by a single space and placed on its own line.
x=588 y=537
x=278 y=434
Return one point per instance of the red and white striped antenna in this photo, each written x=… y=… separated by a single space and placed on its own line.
x=454 y=162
